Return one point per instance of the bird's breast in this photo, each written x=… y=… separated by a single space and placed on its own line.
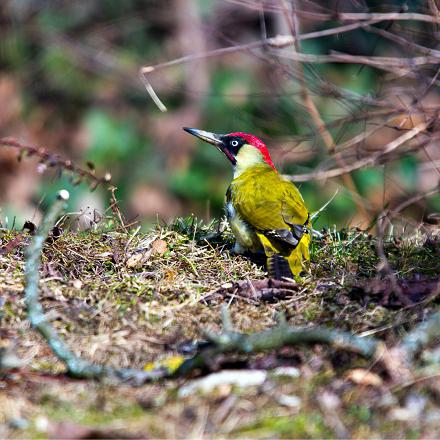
x=246 y=238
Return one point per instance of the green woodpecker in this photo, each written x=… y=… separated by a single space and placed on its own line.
x=265 y=210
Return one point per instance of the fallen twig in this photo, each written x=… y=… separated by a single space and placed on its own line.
x=280 y=336
x=398 y=360
x=267 y=290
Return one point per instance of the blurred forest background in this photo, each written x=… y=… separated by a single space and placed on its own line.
x=70 y=83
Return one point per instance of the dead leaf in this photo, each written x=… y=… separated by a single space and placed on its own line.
x=11 y=245
x=360 y=376
x=381 y=290
x=159 y=247
x=138 y=259
x=170 y=275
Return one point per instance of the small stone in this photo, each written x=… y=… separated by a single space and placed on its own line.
x=361 y=376
x=286 y=371
x=18 y=423
x=290 y=401
x=77 y=284
x=399 y=414
x=239 y=378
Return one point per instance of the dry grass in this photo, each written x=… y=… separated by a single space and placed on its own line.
x=128 y=299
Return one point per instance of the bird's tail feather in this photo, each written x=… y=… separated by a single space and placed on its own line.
x=290 y=266
x=278 y=267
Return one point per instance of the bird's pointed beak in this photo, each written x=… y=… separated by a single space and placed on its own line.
x=214 y=139
x=211 y=138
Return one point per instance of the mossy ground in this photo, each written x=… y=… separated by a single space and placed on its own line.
x=130 y=298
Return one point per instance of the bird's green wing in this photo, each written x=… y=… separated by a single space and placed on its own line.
x=268 y=202
x=272 y=205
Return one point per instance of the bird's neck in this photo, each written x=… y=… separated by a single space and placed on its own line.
x=247 y=158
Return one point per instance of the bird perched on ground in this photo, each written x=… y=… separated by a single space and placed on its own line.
x=265 y=210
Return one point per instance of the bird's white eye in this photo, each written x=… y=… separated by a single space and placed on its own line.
x=234 y=143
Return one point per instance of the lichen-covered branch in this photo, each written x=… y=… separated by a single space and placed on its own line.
x=280 y=336
x=76 y=367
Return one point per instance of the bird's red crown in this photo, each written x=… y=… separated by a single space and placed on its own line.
x=257 y=143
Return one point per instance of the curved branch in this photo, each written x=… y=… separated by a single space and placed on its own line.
x=76 y=367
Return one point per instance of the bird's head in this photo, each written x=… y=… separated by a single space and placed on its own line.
x=242 y=149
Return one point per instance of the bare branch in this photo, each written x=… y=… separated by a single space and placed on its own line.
x=367 y=161
x=313 y=110
x=55 y=160
x=402 y=41
x=379 y=62
x=350 y=16
x=149 y=88
x=279 y=42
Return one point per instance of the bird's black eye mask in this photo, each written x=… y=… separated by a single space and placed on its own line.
x=233 y=144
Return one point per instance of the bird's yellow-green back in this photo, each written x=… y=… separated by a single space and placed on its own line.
x=265 y=210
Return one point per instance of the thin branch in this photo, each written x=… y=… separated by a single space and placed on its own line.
x=282 y=41
x=114 y=206
x=402 y=41
x=367 y=161
x=395 y=16
x=55 y=160
x=348 y=16
x=149 y=88
x=374 y=61
x=279 y=42
x=390 y=213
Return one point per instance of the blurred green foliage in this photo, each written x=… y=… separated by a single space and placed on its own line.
x=76 y=67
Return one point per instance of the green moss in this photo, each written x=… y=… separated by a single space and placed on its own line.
x=360 y=412
x=305 y=425
x=92 y=415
